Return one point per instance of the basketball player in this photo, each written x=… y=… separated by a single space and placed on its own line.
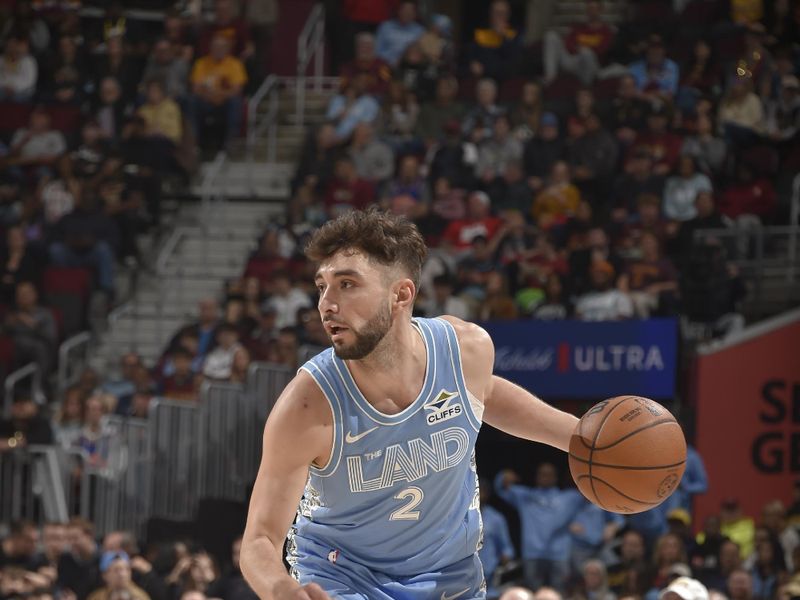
x=377 y=436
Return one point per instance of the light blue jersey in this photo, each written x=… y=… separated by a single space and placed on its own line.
x=395 y=513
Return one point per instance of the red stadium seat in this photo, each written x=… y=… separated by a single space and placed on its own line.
x=67 y=291
x=6 y=354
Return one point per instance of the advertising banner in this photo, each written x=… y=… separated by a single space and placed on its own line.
x=748 y=417
x=583 y=360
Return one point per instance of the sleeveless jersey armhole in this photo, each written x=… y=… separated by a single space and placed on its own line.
x=475 y=406
x=336 y=414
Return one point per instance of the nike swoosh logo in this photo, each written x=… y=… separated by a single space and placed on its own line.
x=351 y=439
x=454 y=596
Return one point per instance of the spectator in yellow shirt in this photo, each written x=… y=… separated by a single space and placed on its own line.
x=162 y=116
x=557 y=202
x=217 y=81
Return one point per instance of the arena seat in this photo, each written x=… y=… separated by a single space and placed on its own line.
x=67 y=290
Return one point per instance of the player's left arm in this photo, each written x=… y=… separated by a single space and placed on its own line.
x=507 y=406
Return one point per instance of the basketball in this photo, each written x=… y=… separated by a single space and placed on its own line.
x=627 y=454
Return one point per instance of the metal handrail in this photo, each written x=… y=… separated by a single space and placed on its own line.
x=310 y=44
x=64 y=350
x=269 y=89
x=30 y=370
x=208 y=187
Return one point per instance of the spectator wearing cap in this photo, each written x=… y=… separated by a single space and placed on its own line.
x=656 y=75
x=659 y=141
x=494 y=50
x=478 y=222
x=479 y=122
x=436 y=44
x=783 y=113
x=542 y=151
x=741 y=113
x=684 y=588
x=558 y=200
x=435 y=115
x=582 y=51
x=217 y=79
x=115 y=568
x=377 y=71
x=18 y=71
x=394 y=36
x=682 y=188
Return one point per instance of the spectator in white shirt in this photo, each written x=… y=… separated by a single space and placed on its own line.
x=603 y=302
x=18 y=71
x=286 y=300
x=220 y=363
x=38 y=147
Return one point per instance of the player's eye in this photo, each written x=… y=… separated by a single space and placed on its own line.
x=320 y=288
x=346 y=284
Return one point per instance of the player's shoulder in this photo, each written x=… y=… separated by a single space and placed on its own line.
x=302 y=402
x=471 y=335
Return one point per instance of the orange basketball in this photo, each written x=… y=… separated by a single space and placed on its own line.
x=627 y=454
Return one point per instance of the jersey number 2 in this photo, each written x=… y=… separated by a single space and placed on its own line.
x=407 y=512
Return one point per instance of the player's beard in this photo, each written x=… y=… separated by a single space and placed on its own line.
x=367 y=337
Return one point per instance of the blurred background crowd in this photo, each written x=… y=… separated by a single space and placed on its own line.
x=555 y=174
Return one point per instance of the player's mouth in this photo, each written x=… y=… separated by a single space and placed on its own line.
x=335 y=330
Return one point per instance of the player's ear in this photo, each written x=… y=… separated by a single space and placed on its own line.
x=404 y=293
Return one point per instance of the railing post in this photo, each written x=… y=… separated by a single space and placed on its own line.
x=320 y=55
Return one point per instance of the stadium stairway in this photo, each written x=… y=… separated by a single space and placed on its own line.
x=208 y=245
x=254 y=176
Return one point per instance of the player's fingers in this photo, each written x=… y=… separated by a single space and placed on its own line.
x=315 y=592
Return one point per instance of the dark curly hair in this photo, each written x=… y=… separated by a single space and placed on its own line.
x=383 y=237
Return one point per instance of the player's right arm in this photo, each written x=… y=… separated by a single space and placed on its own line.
x=299 y=432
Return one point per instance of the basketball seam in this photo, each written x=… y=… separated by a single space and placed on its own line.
x=622 y=494
x=626 y=467
x=594 y=441
x=635 y=431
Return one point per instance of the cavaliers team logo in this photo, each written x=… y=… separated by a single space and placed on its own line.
x=442 y=407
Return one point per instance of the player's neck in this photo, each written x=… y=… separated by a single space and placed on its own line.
x=400 y=356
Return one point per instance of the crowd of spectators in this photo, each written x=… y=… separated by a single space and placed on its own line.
x=569 y=186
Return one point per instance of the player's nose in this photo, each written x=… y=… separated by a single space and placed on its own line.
x=327 y=303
